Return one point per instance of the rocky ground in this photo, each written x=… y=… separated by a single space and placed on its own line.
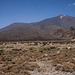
x=37 y=58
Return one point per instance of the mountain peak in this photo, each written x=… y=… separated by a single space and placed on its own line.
x=61 y=16
x=48 y=29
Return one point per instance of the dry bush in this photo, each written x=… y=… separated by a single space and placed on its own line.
x=68 y=67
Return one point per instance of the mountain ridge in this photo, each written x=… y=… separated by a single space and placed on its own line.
x=45 y=29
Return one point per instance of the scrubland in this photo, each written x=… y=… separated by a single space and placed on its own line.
x=37 y=58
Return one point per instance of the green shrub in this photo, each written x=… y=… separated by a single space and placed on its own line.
x=48 y=48
x=44 y=43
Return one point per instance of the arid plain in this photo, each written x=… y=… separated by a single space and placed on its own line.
x=37 y=58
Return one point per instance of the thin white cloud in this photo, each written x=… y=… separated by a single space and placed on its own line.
x=71 y=4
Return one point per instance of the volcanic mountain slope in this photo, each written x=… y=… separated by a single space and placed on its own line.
x=61 y=20
x=65 y=34
x=43 y=30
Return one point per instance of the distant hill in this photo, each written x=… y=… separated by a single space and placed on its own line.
x=48 y=29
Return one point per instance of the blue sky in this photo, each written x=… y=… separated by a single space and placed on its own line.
x=27 y=11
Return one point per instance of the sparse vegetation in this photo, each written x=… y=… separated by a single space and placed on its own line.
x=6 y=59
x=16 y=49
x=62 y=56
x=44 y=43
x=35 y=43
x=31 y=49
x=50 y=48
x=1 y=51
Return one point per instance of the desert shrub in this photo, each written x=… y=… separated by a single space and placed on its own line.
x=10 y=52
x=14 y=43
x=49 y=48
x=40 y=42
x=1 y=51
x=44 y=43
x=13 y=62
x=22 y=42
x=67 y=67
x=52 y=47
x=35 y=43
x=41 y=50
x=31 y=48
x=45 y=48
x=58 y=48
x=16 y=49
x=6 y=59
x=55 y=42
x=31 y=66
x=50 y=42
x=68 y=42
x=9 y=47
x=62 y=42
